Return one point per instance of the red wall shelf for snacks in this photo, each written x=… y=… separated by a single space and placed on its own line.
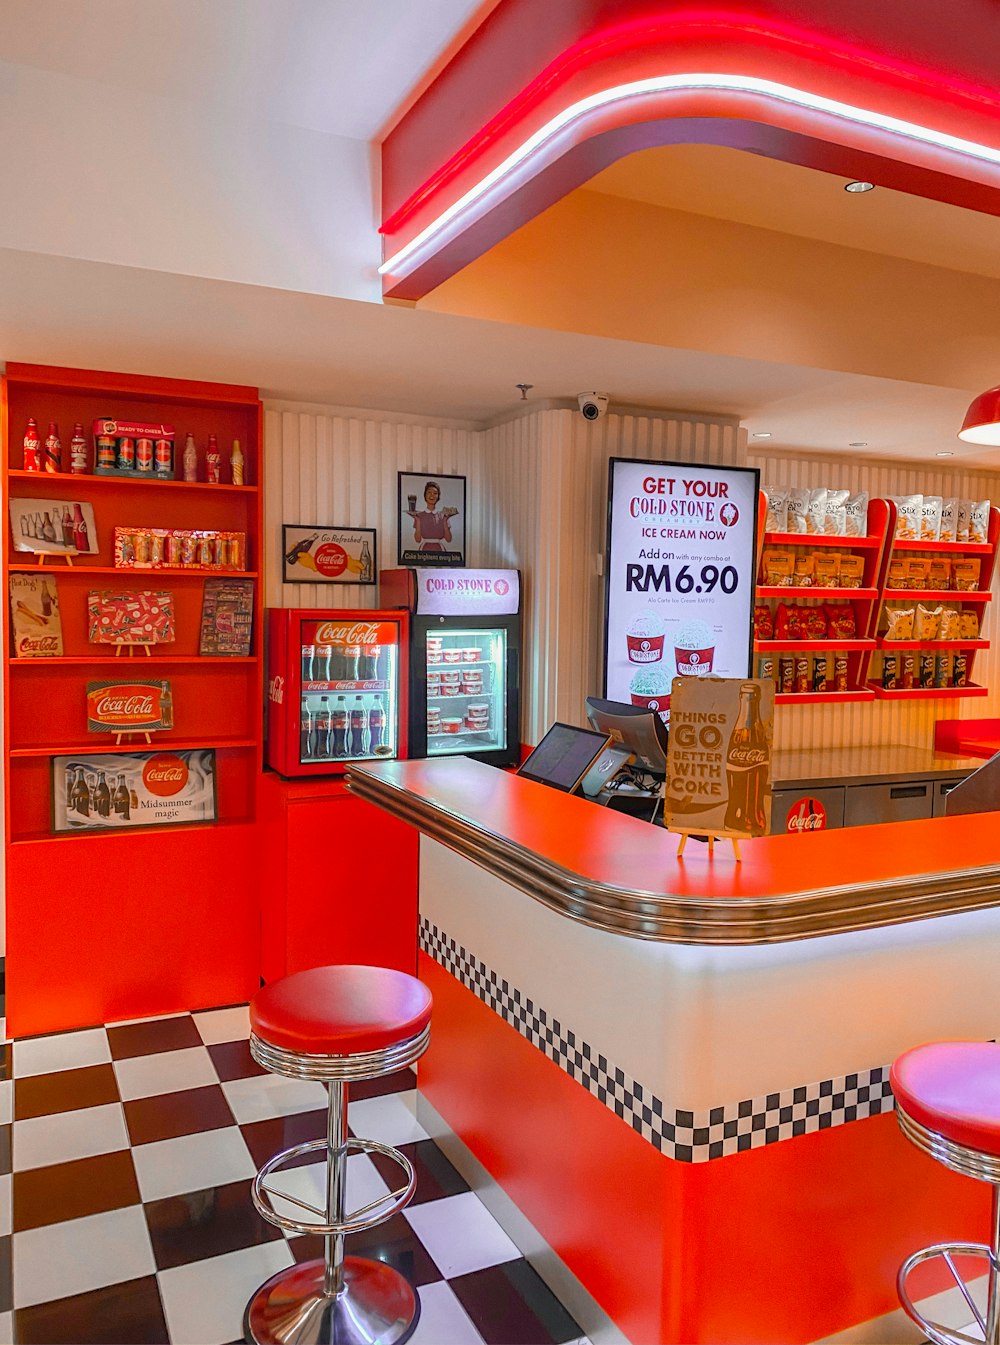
x=794 y=593
x=823 y=697
x=801 y=646
x=955 y=645
x=122 y=924
x=936 y=595
x=820 y=541
x=944 y=548
x=927 y=693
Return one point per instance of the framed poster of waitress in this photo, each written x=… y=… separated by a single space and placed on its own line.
x=431 y=519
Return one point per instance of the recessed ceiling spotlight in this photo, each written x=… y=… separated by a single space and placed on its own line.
x=761 y=434
x=855 y=187
x=944 y=453
x=861 y=443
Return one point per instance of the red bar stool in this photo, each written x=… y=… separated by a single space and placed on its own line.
x=336 y=1024
x=948 y=1103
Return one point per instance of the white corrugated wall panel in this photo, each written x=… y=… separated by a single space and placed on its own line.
x=907 y=722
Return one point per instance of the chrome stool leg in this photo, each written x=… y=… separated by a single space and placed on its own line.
x=336 y=1184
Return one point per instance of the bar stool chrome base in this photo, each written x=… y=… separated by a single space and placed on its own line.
x=375 y=1306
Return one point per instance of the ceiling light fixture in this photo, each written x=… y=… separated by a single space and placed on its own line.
x=761 y=434
x=860 y=443
x=855 y=188
x=982 y=420
x=404 y=261
x=944 y=453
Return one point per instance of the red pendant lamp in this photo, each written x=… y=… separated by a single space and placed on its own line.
x=982 y=420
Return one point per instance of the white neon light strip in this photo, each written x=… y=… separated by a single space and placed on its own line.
x=767 y=88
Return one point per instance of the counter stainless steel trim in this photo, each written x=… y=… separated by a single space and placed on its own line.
x=674 y=918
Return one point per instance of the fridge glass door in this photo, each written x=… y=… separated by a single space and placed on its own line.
x=349 y=701
x=466 y=691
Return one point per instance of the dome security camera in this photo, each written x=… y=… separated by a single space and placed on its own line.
x=593 y=405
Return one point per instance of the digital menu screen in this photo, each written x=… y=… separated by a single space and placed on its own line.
x=679 y=576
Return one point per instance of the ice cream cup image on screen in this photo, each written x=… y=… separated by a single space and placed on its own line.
x=694 y=649
x=650 y=688
x=644 y=637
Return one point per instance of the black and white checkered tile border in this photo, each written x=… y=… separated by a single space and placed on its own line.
x=689 y=1136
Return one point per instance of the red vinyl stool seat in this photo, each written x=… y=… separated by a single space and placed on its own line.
x=948 y=1104
x=335 y=1024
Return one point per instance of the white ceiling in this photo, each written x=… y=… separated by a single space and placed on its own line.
x=340 y=66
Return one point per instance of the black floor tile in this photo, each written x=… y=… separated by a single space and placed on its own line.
x=511 y=1305
x=73 y=1190
x=266 y=1138
x=393 y=1242
x=6 y=1274
x=6 y=1055
x=123 y=1314
x=5 y=1149
x=200 y=1224
x=232 y=1060
x=160 y=1034
x=171 y=1114
x=436 y=1177
x=64 y=1090
x=399 y=1082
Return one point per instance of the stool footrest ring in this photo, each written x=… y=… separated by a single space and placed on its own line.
x=944 y=1335
x=384 y=1207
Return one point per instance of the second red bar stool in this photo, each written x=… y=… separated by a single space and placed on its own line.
x=335 y=1024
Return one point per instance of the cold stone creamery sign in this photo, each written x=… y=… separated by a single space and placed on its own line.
x=468 y=592
x=680 y=576
x=719 y=756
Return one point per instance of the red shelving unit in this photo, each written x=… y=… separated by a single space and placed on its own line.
x=122 y=924
x=821 y=542
x=978 y=599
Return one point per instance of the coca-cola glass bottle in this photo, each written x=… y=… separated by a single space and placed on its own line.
x=747 y=767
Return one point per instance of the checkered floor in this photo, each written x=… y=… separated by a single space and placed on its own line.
x=126 y=1155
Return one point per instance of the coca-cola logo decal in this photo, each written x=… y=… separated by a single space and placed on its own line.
x=351 y=632
x=806 y=814
x=165 y=774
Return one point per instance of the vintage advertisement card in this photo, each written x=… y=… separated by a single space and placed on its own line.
x=34 y=609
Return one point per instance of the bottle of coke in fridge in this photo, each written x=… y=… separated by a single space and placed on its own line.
x=359 y=722
x=376 y=724
x=323 y=744
x=308 y=660
x=307 y=741
x=339 y=728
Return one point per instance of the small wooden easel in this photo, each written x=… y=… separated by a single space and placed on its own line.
x=134 y=733
x=131 y=649
x=67 y=556
x=734 y=836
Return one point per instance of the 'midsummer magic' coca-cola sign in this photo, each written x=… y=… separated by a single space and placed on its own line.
x=129 y=707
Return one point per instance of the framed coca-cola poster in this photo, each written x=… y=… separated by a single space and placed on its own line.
x=119 y=791
x=314 y=554
x=719 y=756
x=132 y=705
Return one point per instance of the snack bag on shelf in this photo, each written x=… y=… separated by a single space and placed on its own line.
x=763 y=622
x=900 y=623
x=930 y=518
x=841 y=623
x=908 y=512
x=856 y=515
x=778 y=568
x=896 y=577
x=951 y=626
x=835 y=521
x=798 y=508
x=979 y=521
x=781 y=624
x=805 y=572
x=939 y=574
x=827 y=567
x=816 y=511
x=918 y=569
x=927 y=625
x=852 y=571
x=968 y=624
x=777 y=509
x=964 y=517
x=949 y=520
x=965 y=575
x=813 y=620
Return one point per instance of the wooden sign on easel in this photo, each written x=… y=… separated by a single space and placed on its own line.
x=719 y=759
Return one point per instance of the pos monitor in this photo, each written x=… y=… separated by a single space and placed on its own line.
x=564 y=756
x=639 y=730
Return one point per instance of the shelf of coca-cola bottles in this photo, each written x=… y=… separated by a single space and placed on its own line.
x=123 y=467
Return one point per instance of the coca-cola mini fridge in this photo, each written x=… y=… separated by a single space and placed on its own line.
x=465 y=656
x=336 y=688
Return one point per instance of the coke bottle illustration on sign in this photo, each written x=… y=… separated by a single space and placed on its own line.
x=747 y=767
x=343 y=675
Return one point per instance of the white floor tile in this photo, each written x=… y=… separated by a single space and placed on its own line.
x=309 y=1183
x=191 y=1163
x=204 y=1302
x=6 y=1326
x=6 y=1206
x=389 y=1119
x=268 y=1095
x=221 y=1025
x=6 y=1101
x=442 y=1318
x=43 y=1140
x=164 y=1072
x=66 y=1050
x=460 y=1234
x=71 y=1258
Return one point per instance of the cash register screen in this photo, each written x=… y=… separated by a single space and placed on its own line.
x=564 y=756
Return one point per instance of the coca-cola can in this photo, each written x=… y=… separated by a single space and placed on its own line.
x=156 y=548
x=143 y=454
x=125 y=460
x=107 y=453
x=173 y=550
x=163 y=457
